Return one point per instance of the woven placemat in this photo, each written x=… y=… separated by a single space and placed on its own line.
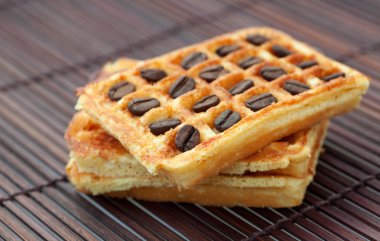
x=48 y=48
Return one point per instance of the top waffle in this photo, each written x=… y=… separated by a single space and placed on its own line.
x=195 y=111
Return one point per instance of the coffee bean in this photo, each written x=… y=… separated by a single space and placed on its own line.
x=139 y=106
x=182 y=85
x=153 y=75
x=249 y=61
x=271 y=72
x=206 y=103
x=280 y=51
x=333 y=76
x=257 y=39
x=213 y=72
x=226 y=50
x=226 y=119
x=187 y=138
x=241 y=87
x=162 y=126
x=307 y=64
x=259 y=102
x=295 y=87
x=193 y=59
x=119 y=90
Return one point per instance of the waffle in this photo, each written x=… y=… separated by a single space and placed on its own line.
x=92 y=147
x=106 y=174
x=239 y=125
x=258 y=191
x=95 y=151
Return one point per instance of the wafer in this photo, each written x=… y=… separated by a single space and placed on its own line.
x=259 y=191
x=293 y=87
x=111 y=173
x=95 y=151
x=288 y=156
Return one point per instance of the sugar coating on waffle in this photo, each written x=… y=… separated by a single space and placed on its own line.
x=267 y=85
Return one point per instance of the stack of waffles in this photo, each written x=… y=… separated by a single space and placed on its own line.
x=236 y=120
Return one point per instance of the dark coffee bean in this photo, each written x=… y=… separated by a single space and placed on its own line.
x=181 y=86
x=257 y=39
x=139 y=106
x=153 y=75
x=226 y=50
x=241 y=87
x=280 y=51
x=295 y=87
x=162 y=126
x=307 y=64
x=206 y=103
x=226 y=119
x=119 y=90
x=333 y=76
x=249 y=61
x=187 y=138
x=271 y=72
x=213 y=72
x=193 y=59
x=259 y=102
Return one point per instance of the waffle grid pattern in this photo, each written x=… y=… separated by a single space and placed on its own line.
x=157 y=151
x=181 y=107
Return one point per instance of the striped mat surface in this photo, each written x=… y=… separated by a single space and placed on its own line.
x=48 y=48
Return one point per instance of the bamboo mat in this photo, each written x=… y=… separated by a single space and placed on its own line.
x=48 y=48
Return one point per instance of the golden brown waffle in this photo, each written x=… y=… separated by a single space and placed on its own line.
x=96 y=152
x=257 y=191
x=330 y=94
x=100 y=165
x=108 y=169
x=92 y=147
x=112 y=173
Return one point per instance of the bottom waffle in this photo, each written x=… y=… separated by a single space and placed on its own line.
x=122 y=177
x=99 y=153
x=224 y=190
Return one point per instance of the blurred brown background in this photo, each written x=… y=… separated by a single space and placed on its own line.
x=48 y=48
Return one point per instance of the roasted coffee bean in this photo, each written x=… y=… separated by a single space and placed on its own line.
x=226 y=50
x=193 y=59
x=280 y=51
x=139 y=106
x=249 y=61
x=241 y=87
x=257 y=39
x=162 y=126
x=333 y=76
x=213 y=72
x=259 y=102
x=182 y=85
x=206 y=103
x=226 y=119
x=307 y=64
x=119 y=90
x=271 y=72
x=187 y=138
x=153 y=75
x=295 y=87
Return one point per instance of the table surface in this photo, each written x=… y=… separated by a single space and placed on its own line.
x=48 y=48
